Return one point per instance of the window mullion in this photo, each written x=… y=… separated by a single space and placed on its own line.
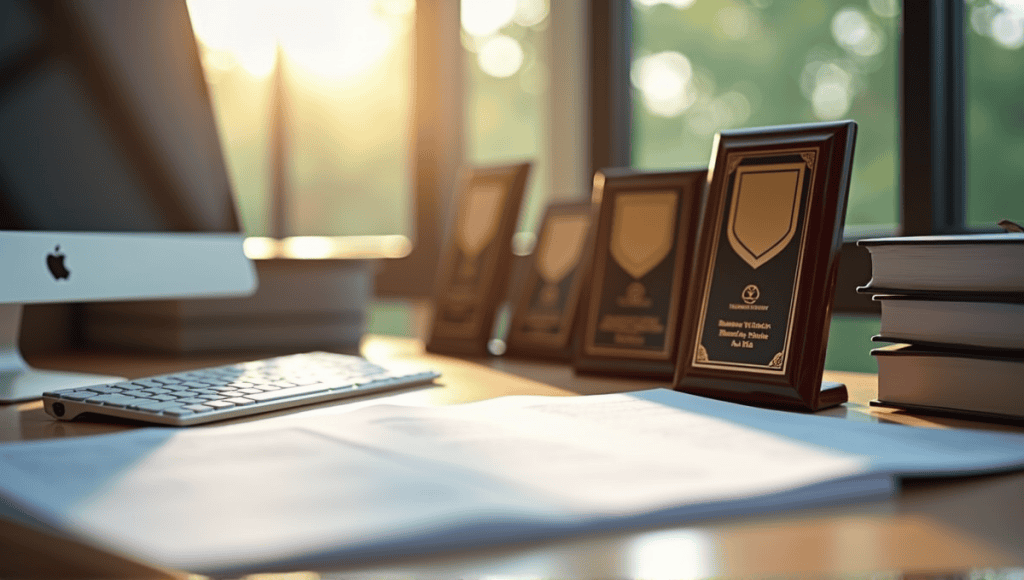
x=931 y=104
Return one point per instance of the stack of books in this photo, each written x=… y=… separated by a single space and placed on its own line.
x=954 y=307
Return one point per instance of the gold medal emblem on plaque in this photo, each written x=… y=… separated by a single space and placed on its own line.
x=764 y=211
x=643 y=233
x=561 y=248
x=478 y=223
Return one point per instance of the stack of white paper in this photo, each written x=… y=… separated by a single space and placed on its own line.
x=390 y=480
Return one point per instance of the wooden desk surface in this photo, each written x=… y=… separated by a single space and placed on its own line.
x=933 y=526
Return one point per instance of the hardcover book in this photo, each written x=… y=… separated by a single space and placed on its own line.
x=967 y=384
x=978 y=263
x=964 y=322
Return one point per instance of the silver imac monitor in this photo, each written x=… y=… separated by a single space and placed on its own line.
x=112 y=181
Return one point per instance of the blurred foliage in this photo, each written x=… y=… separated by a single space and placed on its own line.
x=995 y=114
x=773 y=56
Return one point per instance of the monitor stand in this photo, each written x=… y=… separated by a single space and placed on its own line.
x=20 y=382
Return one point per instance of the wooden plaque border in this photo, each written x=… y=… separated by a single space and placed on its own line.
x=792 y=379
x=608 y=184
x=555 y=345
x=481 y=297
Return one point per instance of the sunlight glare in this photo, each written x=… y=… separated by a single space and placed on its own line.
x=485 y=17
x=331 y=39
x=672 y=554
x=531 y=12
x=680 y=4
x=335 y=40
x=664 y=81
x=831 y=101
x=397 y=7
x=500 y=56
x=1007 y=29
x=854 y=32
x=236 y=31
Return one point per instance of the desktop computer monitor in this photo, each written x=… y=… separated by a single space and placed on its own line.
x=112 y=181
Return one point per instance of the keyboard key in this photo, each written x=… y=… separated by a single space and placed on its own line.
x=146 y=383
x=198 y=408
x=153 y=406
x=219 y=404
x=240 y=401
x=105 y=389
x=175 y=388
x=78 y=395
x=114 y=400
x=178 y=411
x=191 y=401
x=193 y=384
x=285 y=393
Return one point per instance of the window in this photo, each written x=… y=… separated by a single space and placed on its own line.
x=995 y=115
x=700 y=67
x=345 y=71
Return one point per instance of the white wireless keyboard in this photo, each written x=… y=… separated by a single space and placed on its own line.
x=225 y=392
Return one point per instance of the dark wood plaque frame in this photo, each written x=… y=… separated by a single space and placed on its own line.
x=668 y=278
x=555 y=341
x=471 y=287
x=819 y=158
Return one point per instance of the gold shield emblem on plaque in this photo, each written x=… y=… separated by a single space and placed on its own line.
x=643 y=230
x=765 y=207
x=478 y=221
x=560 y=250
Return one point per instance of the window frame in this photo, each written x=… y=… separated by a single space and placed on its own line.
x=436 y=148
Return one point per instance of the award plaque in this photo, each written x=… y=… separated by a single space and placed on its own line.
x=766 y=267
x=475 y=270
x=544 y=316
x=643 y=252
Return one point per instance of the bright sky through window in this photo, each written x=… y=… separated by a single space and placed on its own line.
x=330 y=39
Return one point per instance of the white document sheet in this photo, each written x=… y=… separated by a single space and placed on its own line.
x=390 y=480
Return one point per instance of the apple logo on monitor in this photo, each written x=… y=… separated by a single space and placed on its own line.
x=55 y=263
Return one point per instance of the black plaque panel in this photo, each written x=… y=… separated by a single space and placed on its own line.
x=475 y=271
x=545 y=314
x=767 y=266
x=646 y=233
x=747 y=309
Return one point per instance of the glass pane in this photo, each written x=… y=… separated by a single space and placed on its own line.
x=701 y=66
x=995 y=112
x=505 y=45
x=348 y=74
x=849 y=343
